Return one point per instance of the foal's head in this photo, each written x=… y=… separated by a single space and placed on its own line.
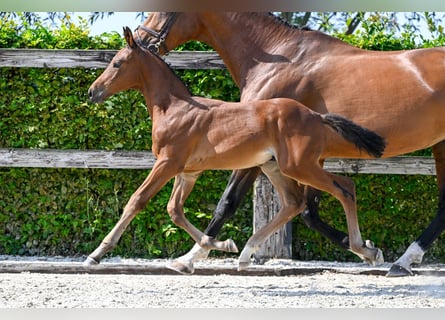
x=123 y=72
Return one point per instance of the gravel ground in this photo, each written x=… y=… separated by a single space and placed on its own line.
x=326 y=289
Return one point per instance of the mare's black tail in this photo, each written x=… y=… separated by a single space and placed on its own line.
x=362 y=138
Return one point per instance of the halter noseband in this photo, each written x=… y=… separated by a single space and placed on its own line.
x=159 y=35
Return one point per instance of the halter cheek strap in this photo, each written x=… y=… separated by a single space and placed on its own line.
x=159 y=35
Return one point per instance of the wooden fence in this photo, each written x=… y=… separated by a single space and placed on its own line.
x=51 y=158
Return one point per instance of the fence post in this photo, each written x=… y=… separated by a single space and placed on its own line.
x=266 y=205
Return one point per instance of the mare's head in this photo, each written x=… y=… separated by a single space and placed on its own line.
x=123 y=72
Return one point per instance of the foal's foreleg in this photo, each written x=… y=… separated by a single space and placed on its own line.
x=239 y=184
x=181 y=189
x=161 y=173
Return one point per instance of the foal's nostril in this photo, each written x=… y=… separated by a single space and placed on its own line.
x=96 y=95
x=93 y=95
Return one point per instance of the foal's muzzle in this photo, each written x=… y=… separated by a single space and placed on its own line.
x=95 y=95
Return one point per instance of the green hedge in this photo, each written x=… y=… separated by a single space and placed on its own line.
x=69 y=211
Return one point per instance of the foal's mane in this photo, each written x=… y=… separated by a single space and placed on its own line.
x=162 y=61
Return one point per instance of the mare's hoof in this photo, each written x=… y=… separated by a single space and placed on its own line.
x=231 y=246
x=181 y=267
x=398 y=271
x=90 y=262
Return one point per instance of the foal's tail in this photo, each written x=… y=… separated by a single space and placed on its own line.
x=361 y=137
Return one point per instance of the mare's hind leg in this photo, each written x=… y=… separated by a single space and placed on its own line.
x=239 y=184
x=181 y=189
x=415 y=252
x=291 y=200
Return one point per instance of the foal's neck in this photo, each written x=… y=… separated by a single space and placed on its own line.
x=160 y=86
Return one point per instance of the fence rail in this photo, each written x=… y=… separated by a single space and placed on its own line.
x=45 y=58
x=116 y=159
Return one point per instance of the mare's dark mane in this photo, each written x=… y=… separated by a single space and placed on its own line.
x=287 y=24
x=274 y=27
x=326 y=38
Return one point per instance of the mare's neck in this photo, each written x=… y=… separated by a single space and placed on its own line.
x=245 y=39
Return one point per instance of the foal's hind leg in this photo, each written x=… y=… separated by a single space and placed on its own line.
x=414 y=253
x=291 y=200
x=343 y=189
x=312 y=219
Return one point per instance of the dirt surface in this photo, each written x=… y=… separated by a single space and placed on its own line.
x=323 y=284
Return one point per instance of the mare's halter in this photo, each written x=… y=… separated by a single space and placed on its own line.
x=158 y=35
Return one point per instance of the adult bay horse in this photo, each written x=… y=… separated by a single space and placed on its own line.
x=193 y=134
x=399 y=94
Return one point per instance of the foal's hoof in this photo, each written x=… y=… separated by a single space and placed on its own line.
x=90 y=262
x=181 y=267
x=231 y=246
x=243 y=265
x=378 y=258
x=398 y=271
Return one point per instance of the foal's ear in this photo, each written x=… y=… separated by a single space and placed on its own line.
x=129 y=37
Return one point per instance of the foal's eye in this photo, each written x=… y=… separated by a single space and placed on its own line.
x=116 y=64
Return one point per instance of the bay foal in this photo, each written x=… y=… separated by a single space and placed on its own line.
x=193 y=134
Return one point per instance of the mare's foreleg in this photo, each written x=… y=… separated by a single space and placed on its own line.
x=161 y=173
x=414 y=253
x=181 y=189
x=239 y=184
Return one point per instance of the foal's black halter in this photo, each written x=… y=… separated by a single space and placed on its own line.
x=159 y=35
